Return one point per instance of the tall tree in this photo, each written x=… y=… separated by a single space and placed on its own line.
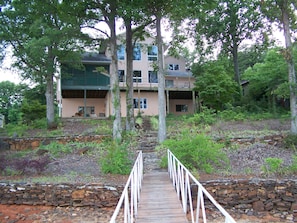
x=41 y=36
x=283 y=12
x=106 y=12
x=227 y=25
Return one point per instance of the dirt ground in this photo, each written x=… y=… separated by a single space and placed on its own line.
x=245 y=162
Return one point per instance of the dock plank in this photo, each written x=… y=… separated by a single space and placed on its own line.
x=158 y=201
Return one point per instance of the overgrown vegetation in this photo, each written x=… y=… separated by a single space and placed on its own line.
x=116 y=158
x=196 y=152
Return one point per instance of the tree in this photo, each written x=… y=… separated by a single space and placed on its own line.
x=11 y=95
x=283 y=12
x=266 y=78
x=227 y=25
x=214 y=83
x=41 y=35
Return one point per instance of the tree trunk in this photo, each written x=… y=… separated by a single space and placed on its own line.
x=290 y=61
x=161 y=84
x=114 y=82
x=129 y=78
x=50 y=108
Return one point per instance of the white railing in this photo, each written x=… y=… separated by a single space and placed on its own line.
x=183 y=180
x=131 y=193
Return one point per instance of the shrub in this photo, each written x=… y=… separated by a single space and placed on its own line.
x=57 y=149
x=116 y=159
x=154 y=123
x=290 y=141
x=197 y=152
x=208 y=117
x=272 y=165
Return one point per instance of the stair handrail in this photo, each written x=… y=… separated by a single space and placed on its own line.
x=133 y=186
x=181 y=177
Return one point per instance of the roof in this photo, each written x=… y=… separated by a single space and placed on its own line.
x=178 y=73
x=95 y=58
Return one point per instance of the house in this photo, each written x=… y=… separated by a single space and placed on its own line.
x=86 y=92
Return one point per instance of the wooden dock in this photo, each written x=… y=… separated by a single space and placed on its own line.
x=159 y=201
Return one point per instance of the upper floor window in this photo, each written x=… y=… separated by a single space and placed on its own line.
x=137 y=76
x=137 y=52
x=121 y=52
x=152 y=53
x=153 y=77
x=121 y=76
x=173 y=67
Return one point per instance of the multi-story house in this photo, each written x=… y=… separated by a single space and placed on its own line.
x=86 y=92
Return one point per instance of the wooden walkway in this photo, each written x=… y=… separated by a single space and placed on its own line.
x=159 y=201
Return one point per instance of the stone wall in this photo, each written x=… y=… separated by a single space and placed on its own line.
x=256 y=195
x=33 y=143
x=241 y=195
x=60 y=194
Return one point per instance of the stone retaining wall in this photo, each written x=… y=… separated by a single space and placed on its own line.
x=242 y=195
x=60 y=194
x=257 y=194
x=33 y=143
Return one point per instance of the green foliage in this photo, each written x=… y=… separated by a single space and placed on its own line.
x=116 y=159
x=154 y=123
x=196 y=152
x=272 y=165
x=32 y=111
x=207 y=117
x=293 y=167
x=290 y=141
x=57 y=149
x=215 y=84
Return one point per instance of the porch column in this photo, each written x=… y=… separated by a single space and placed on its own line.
x=85 y=102
x=194 y=101
x=167 y=102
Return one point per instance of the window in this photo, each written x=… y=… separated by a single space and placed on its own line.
x=181 y=108
x=153 y=77
x=142 y=102
x=137 y=52
x=173 y=67
x=89 y=110
x=121 y=52
x=168 y=83
x=137 y=76
x=121 y=76
x=152 y=53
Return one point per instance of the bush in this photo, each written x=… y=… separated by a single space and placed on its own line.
x=290 y=141
x=272 y=165
x=197 y=152
x=208 y=117
x=116 y=159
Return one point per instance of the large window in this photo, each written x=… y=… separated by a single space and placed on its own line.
x=137 y=52
x=140 y=103
x=181 y=108
x=152 y=53
x=137 y=76
x=121 y=52
x=153 y=77
x=173 y=67
x=121 y=76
